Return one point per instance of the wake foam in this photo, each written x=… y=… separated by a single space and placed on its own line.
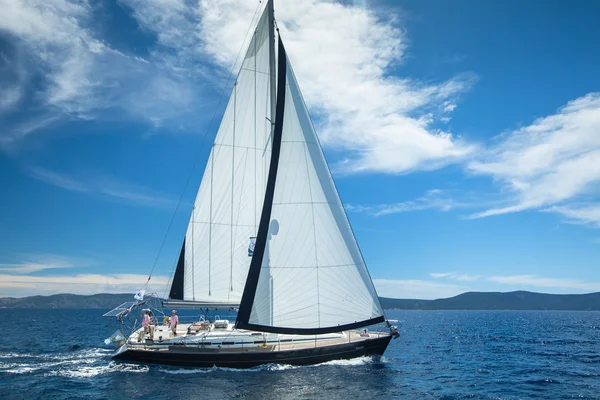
x=366 y=360
x=92 y=371
x=75 y=363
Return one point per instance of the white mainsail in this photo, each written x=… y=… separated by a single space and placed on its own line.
x=227 y=208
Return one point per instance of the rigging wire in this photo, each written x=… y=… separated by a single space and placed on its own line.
x=227 y=82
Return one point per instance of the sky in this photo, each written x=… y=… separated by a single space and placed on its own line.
x=464 y=136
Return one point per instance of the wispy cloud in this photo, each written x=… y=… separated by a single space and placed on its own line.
x=28 y=285
x=31 y=263
x=579 y=213
x=434 y=199
x=104 y=186
x=416 y=289
x=550 y=164
x=455 y=276
x=76 y=74
x=537 y=281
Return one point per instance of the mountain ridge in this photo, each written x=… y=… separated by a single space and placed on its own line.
x=517 y=300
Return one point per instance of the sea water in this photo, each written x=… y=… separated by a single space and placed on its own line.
x=60 y=354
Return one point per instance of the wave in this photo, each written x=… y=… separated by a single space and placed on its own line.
x=92 y=371
x=94 y=352
x=80 y=362
x=365 y=360
x=266 y=367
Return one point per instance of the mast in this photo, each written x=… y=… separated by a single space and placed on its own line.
x=272 y=81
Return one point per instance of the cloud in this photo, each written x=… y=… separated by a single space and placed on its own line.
x=536 y=281
x=60 y=69
x=455 y=276
x=27 y=285
x=342 y=56
x=39 y=262
x=103 y=186
x=579 y=213
x=416 y=289
x=433 y=199
x=550 y=163
x=530 y=281
x=441 y=274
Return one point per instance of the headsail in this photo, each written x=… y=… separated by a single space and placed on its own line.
x=214 y=259
x=307 y=274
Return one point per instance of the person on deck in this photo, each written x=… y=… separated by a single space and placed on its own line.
x=147 y=324
x=174 y=320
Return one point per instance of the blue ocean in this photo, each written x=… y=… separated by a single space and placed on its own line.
x=60 y=354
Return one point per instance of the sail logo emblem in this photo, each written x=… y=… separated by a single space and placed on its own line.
x=251 y=246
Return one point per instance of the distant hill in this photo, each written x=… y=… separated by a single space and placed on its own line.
x=103 y=300
x=519 y=300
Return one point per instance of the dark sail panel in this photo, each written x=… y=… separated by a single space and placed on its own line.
x=263 y=227
x=176 y=292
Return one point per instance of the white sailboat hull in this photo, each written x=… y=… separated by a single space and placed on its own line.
x=246 y=349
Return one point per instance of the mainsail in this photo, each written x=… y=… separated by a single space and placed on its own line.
x=268 y=229
x=214 y=260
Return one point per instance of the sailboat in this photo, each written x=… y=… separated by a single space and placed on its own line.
x=268 y=235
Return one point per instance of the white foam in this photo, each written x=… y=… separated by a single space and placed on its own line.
x=92 y=371
x=18 y=355
x=269 y=367
x=75 y=363
x=21 y=370
x=351 y=362
x=184 y=371
x=266 y=367
x=89 y=353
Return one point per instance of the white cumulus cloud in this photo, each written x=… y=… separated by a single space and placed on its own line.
x=342 y=56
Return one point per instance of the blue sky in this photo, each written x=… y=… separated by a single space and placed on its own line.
x=464 y=136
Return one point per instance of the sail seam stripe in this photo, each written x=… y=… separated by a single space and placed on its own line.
x=253 y=70
x=238 y=146
x=317 y=266
x=302 y=202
